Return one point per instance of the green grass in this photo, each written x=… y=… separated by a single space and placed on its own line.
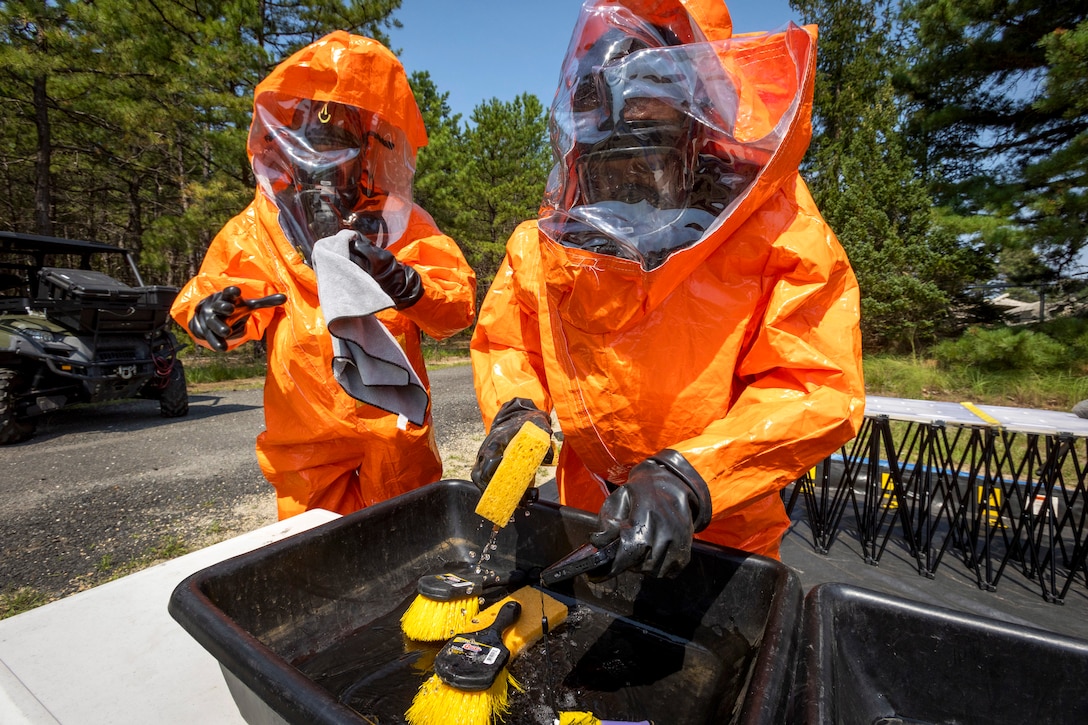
x=217 y=371
x=906 y=377
x=167 y=547
x=20 y=600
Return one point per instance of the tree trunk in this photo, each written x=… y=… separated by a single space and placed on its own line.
x=135 y=231
x=43 y=188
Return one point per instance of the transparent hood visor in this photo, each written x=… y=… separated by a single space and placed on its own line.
x=646 y=154
x=329 y=166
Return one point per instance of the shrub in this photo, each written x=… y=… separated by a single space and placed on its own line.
x=1002 y=349
x=1065 y=330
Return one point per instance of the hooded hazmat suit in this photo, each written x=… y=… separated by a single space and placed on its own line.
x=715 y=315
x=321 y=447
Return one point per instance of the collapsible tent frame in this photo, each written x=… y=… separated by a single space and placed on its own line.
x=1002 y=488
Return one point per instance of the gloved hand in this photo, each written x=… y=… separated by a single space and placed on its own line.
x=508 y=421
x=222 y=316
x=398 y=280
x=654 y=515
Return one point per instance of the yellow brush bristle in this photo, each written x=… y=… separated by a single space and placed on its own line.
x=429 y=620
x=437 y=703
x=578 y=718
x=516 y=472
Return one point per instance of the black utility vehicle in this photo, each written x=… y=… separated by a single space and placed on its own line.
x=78 y=325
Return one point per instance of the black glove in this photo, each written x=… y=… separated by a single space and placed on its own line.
x=508 y=421
x=398 y=280
x=654 y=515
x=222 y=316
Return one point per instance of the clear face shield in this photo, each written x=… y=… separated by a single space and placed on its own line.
x=640 y=171
x=644 y=157
x=329 y=166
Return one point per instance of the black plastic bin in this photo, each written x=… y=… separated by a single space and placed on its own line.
x=58 y=283
x=91 y=301
x=876 y=659
x=306 y=630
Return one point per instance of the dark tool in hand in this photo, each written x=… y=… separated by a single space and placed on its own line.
x=221 y=316
x=583 y=560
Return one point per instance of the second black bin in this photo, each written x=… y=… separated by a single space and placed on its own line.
x=876 y=659
x=306 y=629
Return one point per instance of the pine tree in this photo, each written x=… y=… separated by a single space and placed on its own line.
x=36 y=39
x=1000 y=124
x=866 y=186
x=441 y=163
x=126 y=120
x=506 y=162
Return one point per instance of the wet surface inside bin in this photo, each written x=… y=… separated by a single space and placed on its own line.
x=878 y=659
x=311 y=625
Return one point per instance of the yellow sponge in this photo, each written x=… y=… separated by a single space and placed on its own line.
x=516 y=472
x=529 y=627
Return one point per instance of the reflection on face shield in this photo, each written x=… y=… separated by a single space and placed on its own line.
x=591 y=92
x=330 y=166
x=327 y=164
x=654 y=175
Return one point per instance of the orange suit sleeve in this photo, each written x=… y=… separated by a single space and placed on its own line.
x=802 y=392
x=448 y=304
x=506 y=358
x=232 y=259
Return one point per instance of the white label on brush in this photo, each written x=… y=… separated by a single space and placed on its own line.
x=491 y=656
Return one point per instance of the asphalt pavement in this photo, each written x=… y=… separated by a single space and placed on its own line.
x=104 y=485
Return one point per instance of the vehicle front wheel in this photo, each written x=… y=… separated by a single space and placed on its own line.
x=174 y=399
x=13 y=429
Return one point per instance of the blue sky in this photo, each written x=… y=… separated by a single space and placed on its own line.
x=476 y=50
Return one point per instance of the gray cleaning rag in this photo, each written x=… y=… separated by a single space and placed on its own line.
x=367 y=361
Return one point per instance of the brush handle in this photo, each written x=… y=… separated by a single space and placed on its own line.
x=448 y=586
x=506 y=617
x=471 y=662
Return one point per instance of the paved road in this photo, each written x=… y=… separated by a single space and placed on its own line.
x=102 y=489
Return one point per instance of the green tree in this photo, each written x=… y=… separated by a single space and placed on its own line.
x=999 y=121
x=441 y=163
x=506 y=159
x=174 y=121
x=36 y=41
x=908 y=266
x=125 y=120
x=283 y=26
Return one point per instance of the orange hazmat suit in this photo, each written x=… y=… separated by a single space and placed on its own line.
x=736 y=345
x=322 y=448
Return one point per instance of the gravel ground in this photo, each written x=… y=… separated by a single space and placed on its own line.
x=102 y=491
